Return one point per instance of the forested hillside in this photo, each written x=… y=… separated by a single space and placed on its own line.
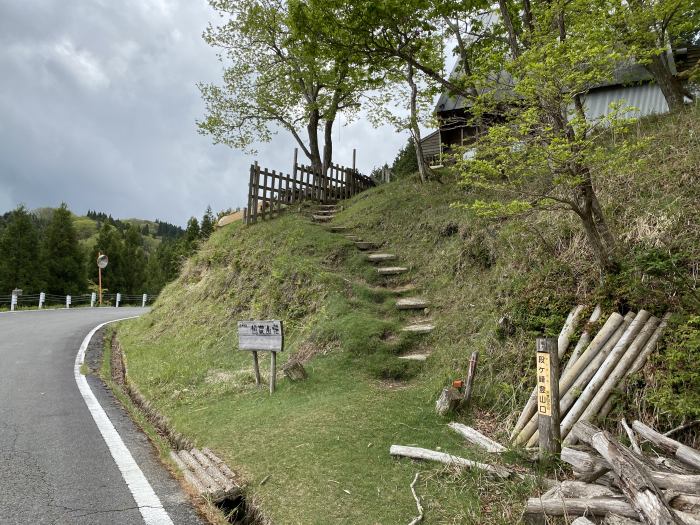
x=54 y=250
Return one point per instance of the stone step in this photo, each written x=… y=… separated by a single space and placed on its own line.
x=391 y=270
x=418 y=328
x=328 y=206
x=379 y=257
x=414 y=357
x=322 y=218
x=339 y=229
x=411 y=303
x=365 y=245
x=325 y=212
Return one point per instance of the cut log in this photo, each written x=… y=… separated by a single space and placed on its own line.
x=447 y=459
x=449 y=400
x=573 y=390
x=411 y=303
x=618 y=372
x=634 y=481
x=579 y=507
x=562 y=344
x=529 y=425
x=603 y=372
x=579 y=489
x=585 y=462
x=380 y=257
x=294 y=371
x=585 y=338
x=683 y=453
x=614 y=519
x=477 y=438
x=419 y=328
x=638 y=363
x=391 y=270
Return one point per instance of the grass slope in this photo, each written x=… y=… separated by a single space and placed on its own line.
x=324 y=442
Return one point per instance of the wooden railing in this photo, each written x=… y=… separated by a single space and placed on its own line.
x=270 y=191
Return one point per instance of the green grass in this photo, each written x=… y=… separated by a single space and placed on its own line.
x=330 y=434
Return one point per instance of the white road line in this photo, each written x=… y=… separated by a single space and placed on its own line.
x=147 y=500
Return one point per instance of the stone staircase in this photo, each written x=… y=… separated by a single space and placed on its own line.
x=422 y=325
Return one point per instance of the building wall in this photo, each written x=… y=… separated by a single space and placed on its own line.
x=646 y=98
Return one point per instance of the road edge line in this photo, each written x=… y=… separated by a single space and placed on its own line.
x=146 y=499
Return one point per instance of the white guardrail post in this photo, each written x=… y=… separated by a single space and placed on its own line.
x=93 y=297
x=68 y=301
x=13 y=302
x=42 y=300
x=119 y=298
x=143 y=300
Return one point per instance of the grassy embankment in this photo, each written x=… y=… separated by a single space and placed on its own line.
x=324 y=442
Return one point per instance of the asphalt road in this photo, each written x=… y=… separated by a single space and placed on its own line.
x=55 y=467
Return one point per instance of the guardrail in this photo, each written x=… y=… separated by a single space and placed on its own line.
x=44 y=300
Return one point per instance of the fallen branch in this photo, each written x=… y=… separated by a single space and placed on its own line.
x=477 y=438
x=633 y=479
x=580 y=506
x=682 y=427
x=630 y=435
x=447 y=459
x=418 y=518
x=684 y=453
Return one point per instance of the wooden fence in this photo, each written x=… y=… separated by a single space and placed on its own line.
x=269 y=191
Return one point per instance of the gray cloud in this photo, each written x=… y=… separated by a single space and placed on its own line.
x=98 y=103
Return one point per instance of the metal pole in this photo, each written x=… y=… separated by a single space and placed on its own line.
x=99 y=273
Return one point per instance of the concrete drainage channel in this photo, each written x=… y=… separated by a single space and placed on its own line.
x=204 y=472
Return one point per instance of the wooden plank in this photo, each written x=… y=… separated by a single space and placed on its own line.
x=261 y=335
x=477 y=438
x=256 y=169
x=447 y=459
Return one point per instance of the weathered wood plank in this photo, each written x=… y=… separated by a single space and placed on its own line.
x=261 y=335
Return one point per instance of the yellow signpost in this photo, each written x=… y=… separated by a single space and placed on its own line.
x=544 y=387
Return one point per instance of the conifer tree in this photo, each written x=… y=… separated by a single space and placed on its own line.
x=20 y=265
x=134 y=261
x=64 y=258
x=207 y=226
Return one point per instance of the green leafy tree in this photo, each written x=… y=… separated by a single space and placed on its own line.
x=405 y=163
x=64 y=257
x=540 y=151
x=20 y=264
x=207 y=224
x=648 y=29
x=279 y=75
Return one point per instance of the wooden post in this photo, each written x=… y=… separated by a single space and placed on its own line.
x=256 y=368
x=354 y=158
x=470 y=377
x=548 y=396
x=245 y=215
x=273 y=371
x=256 y=182
x=264 y=195
x=294 y=175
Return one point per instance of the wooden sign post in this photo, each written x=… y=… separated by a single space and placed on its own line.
x=265 y=336
x=548 y=396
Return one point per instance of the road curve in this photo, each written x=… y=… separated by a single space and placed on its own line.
x=55 y=467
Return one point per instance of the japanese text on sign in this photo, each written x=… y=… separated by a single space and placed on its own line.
x=260 y=335
x=544 y=395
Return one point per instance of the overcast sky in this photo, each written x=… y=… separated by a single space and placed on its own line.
x=98 y=102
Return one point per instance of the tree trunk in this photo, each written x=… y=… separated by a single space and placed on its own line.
x=415 y=128
x=314 y=153
x=670 y=86
x=328 y=144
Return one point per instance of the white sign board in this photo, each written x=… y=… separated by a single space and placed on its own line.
x=263 y=336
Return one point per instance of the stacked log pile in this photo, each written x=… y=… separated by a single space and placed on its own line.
x=620 y=485
x=207 y=474
x=596 y=368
